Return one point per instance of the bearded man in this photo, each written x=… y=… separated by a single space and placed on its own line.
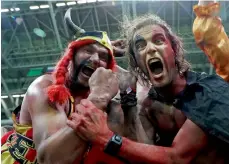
x=40 y=130
x=156 y=54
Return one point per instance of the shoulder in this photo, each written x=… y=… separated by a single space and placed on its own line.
x=212 y=85
x=204 y=94
x=205 y=91
x=41 y=82
x=38 y=86
x=36 y=94
x=213 y=82
x=205 y=102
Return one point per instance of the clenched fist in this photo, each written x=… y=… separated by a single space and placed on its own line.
x=119 y=47
x=103 y=86
x=126 y=79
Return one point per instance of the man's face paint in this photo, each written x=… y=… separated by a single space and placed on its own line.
x=87 y=60
x=154 y=54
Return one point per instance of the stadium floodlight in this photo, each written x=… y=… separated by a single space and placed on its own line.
x=34 y=7
x=44 y=6
x=60 y=4
x=71 y=3
x=4 y=10
x=16 y=96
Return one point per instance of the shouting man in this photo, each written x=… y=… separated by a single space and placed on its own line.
x=156 y=54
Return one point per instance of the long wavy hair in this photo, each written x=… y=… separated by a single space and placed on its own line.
x=129 y=29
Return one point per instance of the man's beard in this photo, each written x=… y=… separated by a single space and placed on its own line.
x=74 y=84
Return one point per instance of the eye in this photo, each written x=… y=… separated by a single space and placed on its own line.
x=88 y=50
x=140 y=45
x=159 y=41
x=103 y=57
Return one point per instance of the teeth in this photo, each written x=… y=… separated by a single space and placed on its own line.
x=154 y=60
x=90 y=68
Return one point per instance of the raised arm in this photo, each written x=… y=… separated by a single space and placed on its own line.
x=211 y=37
x=137 y=127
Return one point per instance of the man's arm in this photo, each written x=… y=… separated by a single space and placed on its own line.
x=211 y=37
x=133 y=127
x=187 y=143
x=55 y=141
x=127 y=87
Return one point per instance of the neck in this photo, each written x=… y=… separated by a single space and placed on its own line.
x=175 y=87
x=178 y=84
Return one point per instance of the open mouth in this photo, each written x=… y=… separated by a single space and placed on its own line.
x=156 y=66
x=88 y=71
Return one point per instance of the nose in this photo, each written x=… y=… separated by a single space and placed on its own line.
x=150 y=49
x=95 y=60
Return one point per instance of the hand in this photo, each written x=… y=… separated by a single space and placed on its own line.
x=103 y=84
x=126 y=79
x=119 y=47
x=90 y=123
